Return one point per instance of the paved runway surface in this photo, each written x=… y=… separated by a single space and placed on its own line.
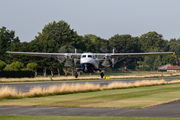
x=25 y=87
x=165 y=110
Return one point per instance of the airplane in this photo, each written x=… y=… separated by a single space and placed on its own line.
x=89 y=61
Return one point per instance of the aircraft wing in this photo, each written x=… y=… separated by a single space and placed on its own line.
x=120 y=55
x=99 y=55
x=141 y=54
x=73 y=55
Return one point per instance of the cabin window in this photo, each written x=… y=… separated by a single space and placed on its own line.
x=89 y=56
x=83 y=56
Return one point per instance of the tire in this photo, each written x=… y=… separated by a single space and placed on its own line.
x=76 y=75
x=102 y=74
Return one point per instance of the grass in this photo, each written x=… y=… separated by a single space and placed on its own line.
x=140 y=75
x=23 y=117
x=7 y=92
x=78 y=80
x=137 y=97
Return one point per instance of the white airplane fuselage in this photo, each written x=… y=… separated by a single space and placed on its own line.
x=88 y=63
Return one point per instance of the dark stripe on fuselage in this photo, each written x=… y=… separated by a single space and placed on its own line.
x=90 y=68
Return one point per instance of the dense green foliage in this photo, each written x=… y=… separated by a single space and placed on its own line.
x=58 y=37
x=6 y=39
x=17 y=65
x=126 y=44
x=32 y=66
x=2 y=65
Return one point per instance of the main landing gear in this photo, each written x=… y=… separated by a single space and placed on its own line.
x=102 y=74
x=76 y=75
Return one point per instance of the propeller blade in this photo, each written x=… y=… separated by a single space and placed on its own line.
x=68 y=62
x=106 y=62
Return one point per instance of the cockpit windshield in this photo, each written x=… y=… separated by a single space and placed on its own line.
x=83 y=56
x=89 y=56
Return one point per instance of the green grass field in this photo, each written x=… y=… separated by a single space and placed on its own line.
x=17 y=117
x=118 y=73
x=117 y=98
x=93 y=77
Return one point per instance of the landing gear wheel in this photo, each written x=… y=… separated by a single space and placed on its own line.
x=76 y=75
x=102 y=74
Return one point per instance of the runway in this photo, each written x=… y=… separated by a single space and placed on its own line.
x=165 y=110
x=25 y=87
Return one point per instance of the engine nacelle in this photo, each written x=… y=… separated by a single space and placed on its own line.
x=107 y=60
x=68 y=60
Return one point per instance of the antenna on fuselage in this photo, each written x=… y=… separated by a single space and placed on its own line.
x=75 y=60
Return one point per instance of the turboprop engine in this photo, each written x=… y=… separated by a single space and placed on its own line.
x=68 y=60
x=109 y=61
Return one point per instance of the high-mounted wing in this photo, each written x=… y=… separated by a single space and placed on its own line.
x=59 y=56
x=120 y=55
x=112 y=58
x=140 y=54
x=74 y=55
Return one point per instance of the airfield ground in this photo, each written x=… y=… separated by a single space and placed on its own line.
x=95 y=76
x=136 y=97
x=18 y=117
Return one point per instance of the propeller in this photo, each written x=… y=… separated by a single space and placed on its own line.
x=68 y=62
x=61 y=58
x=108 y=60
x=66 y=49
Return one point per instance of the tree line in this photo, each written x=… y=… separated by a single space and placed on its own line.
x=59 y=37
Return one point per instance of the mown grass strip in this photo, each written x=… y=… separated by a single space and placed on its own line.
x=23 y=117
x=137 y=97
x=12 y=93
x=111 y=76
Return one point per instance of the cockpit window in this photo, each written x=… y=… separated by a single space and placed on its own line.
x=83 y=56
x=89 y=56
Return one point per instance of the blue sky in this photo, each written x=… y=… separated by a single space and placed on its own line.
x=104 y=18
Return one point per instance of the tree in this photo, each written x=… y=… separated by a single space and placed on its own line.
x=2 y=65
x=17 y=65
x=175 y=47
x=93 y=43
x=168 y=59
x=54 y=35
x=126 y=44
x=152 y=62
x=6 y=38
x=60 y=32
x=152 y=40
x=33 y=66
x=172 y=40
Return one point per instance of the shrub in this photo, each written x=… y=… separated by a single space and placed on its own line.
x=2 y=65
x=17 y=65
x=32 y=66
x=17 y=73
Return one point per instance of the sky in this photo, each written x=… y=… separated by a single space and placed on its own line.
x=103 y=18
